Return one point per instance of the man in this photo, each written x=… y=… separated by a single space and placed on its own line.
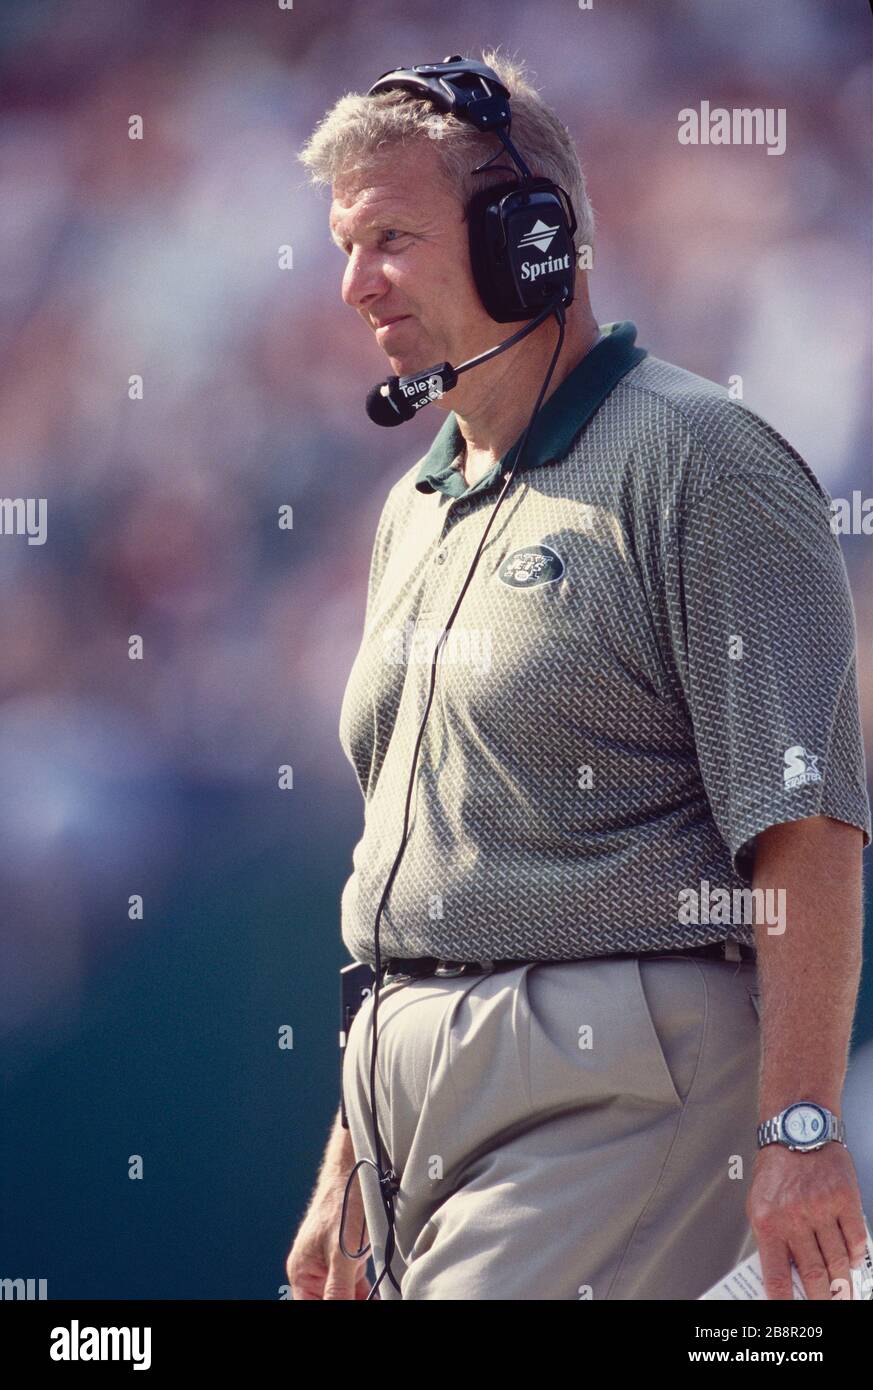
x=650 y=708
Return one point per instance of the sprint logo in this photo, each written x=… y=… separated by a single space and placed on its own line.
x=539 y=236
x=800 y=767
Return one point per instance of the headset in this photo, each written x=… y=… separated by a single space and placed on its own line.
x=523 y=259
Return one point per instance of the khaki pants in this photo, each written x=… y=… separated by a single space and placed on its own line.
x=563 y=1130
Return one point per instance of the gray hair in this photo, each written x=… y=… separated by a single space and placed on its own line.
x=357 y=129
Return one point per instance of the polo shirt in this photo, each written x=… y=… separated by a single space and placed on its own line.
x=653 y=662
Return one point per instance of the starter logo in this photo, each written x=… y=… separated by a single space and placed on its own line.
x=533 y=564
x=800 y=767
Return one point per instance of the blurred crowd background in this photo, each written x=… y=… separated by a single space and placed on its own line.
x=158 y=777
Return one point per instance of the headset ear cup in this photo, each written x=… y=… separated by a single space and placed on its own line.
x=517 y=230
x=541 y=246
x=488 y=256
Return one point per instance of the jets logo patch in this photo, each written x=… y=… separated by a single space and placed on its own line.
x=532 y=564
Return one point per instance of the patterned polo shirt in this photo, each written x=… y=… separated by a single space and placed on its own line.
x=654 y=661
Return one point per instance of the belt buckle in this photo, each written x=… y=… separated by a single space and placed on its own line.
x=448 y=969
x=393 y=977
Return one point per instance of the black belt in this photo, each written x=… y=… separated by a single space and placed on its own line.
x=415 y=967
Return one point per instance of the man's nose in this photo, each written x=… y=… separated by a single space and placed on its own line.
x=364 y=279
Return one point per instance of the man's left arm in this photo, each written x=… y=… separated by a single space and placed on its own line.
x=806 y=1207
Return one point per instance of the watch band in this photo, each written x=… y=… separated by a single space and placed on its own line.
x=837 y=1128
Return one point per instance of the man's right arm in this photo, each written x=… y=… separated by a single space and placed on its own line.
x=316 y=1266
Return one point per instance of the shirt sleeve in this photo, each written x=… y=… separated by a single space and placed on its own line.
x=764 y=640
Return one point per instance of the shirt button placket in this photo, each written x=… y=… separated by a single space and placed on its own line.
x=442 y=554
x=458 y=510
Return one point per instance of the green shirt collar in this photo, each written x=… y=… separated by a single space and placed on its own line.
x=557 y=424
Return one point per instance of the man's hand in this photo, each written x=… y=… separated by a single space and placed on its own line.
x=316 y=1267
x=806 y=1208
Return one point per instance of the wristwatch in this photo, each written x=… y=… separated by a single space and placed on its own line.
x=805 y=1125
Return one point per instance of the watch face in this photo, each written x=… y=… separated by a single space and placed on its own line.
x=804 y=1124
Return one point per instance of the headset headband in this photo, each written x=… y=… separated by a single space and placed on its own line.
x=470 y=90
x=462 y=87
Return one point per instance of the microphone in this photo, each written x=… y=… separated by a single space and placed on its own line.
x=399 y=398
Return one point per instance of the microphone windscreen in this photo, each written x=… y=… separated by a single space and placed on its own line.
x=384 y=409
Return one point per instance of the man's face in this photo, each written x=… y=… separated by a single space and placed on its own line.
x=401 y=226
